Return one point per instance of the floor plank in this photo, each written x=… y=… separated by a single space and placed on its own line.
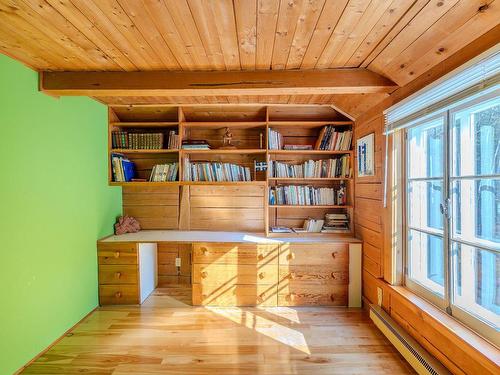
x=166 y=335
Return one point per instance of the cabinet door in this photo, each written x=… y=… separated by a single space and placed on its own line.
x=118 y=294
x=117 y=274
x=314 y=254
x=117 y=253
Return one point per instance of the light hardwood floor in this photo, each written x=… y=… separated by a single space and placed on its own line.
x=168 y=336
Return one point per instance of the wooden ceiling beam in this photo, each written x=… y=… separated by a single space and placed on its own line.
x=215 y=83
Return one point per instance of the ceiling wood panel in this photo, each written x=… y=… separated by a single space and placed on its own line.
x=399 y=39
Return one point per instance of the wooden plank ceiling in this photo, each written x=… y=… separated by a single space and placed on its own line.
x=399 y=39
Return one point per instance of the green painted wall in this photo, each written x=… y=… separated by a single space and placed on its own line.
x=54 y=205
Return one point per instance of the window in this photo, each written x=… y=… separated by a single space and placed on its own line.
x=453 y=211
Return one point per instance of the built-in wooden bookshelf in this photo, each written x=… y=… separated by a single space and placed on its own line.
x=249 y=126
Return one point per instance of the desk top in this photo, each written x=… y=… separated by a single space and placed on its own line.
x=206 y=236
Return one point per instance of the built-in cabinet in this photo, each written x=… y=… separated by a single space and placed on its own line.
x=238 y=273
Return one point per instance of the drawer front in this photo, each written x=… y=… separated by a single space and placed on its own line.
x=234 y=295
x=235 y=253
x=230 y=274
x=118 y=294
x=311 y=293
x=117 y=253
x=117 y=274
x=325 y=274
x=314 y=254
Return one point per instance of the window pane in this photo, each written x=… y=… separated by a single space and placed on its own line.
x=476 y=140
x=476 y=282
x=424 y=198
x=476 y=211
x=425 y=150
x=426 y=260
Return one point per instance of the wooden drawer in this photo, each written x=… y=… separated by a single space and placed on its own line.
x=235 y=253
x=117 y=253
x=117 y=274
x=314 y=254
x=234 y=295
x=311 y=293
x=118 y=294
x=230 y=274
x=327 y=274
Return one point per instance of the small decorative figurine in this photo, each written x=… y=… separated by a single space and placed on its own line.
x=127 y=224
x=227 y=138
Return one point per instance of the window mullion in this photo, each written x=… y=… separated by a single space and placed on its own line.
x=447 y=218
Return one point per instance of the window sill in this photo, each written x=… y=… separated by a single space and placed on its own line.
x=476 y=346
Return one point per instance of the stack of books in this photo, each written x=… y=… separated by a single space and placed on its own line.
x=331 y=139
x=310 y=225
x=302 y=195
x=214 y=171
x=173 y=140
x=311 y=168
x=274 y=140
x=297 y=147
x=123 y=169
x=335 y=223
x=136 y=141
x=195 y=144
x=164 y=172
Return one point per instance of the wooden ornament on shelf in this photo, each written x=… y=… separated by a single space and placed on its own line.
x=227 y=138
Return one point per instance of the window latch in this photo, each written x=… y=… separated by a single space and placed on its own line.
x=445 y=208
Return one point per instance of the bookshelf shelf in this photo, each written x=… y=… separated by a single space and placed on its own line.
x=308 y=152
x=144 y=183
x=308 y=124
x=305 y=206
x=216 y=151
x=319 y=179
x=224 y=124
x=223 y=183
x=144 y=124
x=144 y=151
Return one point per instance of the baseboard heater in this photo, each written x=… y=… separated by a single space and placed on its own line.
x=423 y=362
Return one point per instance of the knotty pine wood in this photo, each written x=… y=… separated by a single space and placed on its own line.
x=168 y=273
x=155 y=207
x=221 y=341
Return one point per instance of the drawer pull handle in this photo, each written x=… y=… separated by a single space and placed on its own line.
x=291 y=256
x=334 y=255
x=118 y=294
x=261 y=256
x=204 y=250
x=117 y=254
x=204 y=275
x=290 y=297
x=292 y=275
x=332 y=297
x=118 y=275
x=334 y=276
x=262 y=275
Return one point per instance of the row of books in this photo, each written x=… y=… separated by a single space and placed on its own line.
x=274 y=140
x=137 y=141
x=173 y=140
x=325 y=168
x=305 y=195
x=214 y=171
x=164 y=172
x=123 y=169
x=331 y=139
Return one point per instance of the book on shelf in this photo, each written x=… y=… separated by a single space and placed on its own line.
x=310 y=226
x=123 y=169
x=215 y=172
x=327 y=168
x=305 y=195
x=173 y=140
x=298 y=147
x=274 y=140
x=136 y=140
x=281 y=230
x=164 y=172
x=195 y=144
x=332 y=139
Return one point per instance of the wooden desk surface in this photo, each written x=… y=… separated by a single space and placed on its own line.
x=206 y=236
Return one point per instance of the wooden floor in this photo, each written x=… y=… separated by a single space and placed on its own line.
x=168 y=336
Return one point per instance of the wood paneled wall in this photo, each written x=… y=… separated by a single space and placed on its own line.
x=368 y=212
x=168 y=272
x=226 y=208
x=155 y=207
